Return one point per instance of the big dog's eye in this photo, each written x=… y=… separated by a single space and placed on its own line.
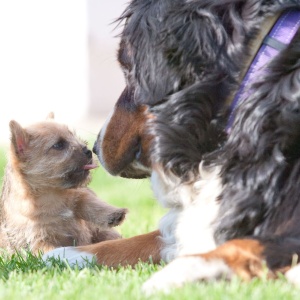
x=60 y=145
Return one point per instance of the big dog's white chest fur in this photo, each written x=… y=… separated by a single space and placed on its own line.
x=188 y=226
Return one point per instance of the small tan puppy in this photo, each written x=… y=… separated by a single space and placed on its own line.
x=45 y=202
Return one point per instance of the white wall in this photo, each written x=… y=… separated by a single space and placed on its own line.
x=106 y=80
x=58 y=55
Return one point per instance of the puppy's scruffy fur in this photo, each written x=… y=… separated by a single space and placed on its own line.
x=45 y=202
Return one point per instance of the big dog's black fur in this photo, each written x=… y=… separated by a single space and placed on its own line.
x=261 y=164
x=184 y=59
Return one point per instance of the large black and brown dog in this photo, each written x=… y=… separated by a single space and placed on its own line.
x=232 y=187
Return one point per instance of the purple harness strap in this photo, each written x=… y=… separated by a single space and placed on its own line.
x=278 y=38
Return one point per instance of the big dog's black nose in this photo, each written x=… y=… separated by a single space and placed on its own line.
x=95 y=150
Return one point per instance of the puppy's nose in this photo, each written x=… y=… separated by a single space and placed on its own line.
x=87 y=152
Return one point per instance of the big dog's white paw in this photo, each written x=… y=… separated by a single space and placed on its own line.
x=185 y=269
x=71 y=256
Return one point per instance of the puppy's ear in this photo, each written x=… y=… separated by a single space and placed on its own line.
x=50 y=116
x=19 y=138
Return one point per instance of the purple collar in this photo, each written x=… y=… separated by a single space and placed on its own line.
x=278 y=38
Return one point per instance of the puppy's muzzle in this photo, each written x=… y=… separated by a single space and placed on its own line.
x=87 y=152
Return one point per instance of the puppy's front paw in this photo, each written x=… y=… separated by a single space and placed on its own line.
x=185 y=269
x=293 y=275
x=117 y=217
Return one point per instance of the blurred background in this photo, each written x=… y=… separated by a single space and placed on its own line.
x=60 y=56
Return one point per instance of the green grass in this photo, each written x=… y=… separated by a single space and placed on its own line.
x=144 y=211
x=27 y=277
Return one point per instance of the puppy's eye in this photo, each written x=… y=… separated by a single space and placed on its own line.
x=60 y=145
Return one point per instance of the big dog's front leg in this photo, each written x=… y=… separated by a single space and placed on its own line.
x=114 y=253
x=127 y=251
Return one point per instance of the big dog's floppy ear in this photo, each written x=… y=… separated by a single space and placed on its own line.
x=19 y=138
x=194 y=39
